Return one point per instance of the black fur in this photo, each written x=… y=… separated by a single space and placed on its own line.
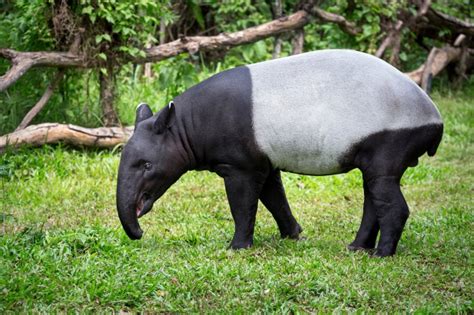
x=383 y=158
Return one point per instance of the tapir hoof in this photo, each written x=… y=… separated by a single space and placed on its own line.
x=383 y=253
x=295 y=234
x=355 y=248
x=240 y=245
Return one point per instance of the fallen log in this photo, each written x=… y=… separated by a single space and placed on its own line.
x=48 y=133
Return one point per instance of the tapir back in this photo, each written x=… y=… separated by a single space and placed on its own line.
x=309 y=110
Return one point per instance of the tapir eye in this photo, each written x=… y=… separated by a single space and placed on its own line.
x=147 y=166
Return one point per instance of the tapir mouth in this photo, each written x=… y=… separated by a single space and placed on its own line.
x=144 y=204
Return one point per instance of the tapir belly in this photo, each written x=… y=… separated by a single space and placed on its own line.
x=310 y=110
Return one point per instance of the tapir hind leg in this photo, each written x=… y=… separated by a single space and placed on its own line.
x=383 y=158
x=274 y=199
x=369 y=227
x=391 y=211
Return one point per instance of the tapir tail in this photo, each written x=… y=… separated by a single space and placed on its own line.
x=438 y=134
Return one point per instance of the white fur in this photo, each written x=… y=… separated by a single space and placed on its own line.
x=309 y=109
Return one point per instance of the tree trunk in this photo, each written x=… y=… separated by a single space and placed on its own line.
x=107 y=96
x=277 y=11
x=147 y=71
x=298 y=42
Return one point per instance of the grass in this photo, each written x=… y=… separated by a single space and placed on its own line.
x=62 y=247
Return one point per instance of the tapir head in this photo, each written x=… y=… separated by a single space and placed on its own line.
x=150 y=164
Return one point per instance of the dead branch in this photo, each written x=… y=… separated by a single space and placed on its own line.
x=437 y=60
x=434 y=22
x=37 y=135
x=393 y=37
x=450 y=22
x=194 y=44
x=345 y=25
x=51 y=87
x=42 y=102
x=23 y=61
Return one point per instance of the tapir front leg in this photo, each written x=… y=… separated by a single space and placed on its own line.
x=274 y=199
x=243 y=189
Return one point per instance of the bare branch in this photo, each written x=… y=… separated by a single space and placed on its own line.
x=345 y=25
x=393 y=36
x=50 y=89
x=42 y=102
x=194 y=44
x=18 y=69
x=450 y=22
x=437 y=60
x=389 y=39
x=23 y=61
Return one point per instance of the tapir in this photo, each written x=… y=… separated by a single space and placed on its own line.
x=318 y=113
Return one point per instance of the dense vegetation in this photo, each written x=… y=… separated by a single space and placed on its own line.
x=62 y=246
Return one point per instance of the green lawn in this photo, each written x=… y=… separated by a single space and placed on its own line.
x=62 y=247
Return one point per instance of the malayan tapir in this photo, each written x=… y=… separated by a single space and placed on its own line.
x=318 y=113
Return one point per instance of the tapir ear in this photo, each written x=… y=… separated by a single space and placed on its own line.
x=143 y=112
x=165 y=119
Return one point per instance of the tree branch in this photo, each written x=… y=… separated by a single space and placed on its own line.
x=42 y=102
x=450 y=22
x=23 y=61
x=394 y=34
x=345 y=25
x=194 y=44
x=437 y=60
x=51 y=87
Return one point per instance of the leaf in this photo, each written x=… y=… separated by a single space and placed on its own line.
x=260 y=49
x=87 y=10
x=403 y=56
x=107 y=37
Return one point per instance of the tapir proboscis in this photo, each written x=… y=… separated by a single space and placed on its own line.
x=318 y=113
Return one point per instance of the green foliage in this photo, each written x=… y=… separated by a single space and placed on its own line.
x=62 y=248
x=131 y=23
x=25 y=27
